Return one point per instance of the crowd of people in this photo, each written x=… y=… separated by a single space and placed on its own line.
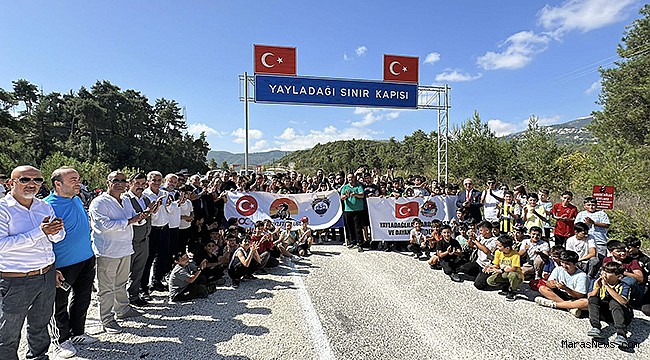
x=168 y=234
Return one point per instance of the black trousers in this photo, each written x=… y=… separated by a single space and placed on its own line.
x=238 y=271
x=609 y=310
x=159 y=256
x=184 y=236
x=353 y=226
x=195 y=290
x=70 y=317
x=473 y=269
x=451 y=264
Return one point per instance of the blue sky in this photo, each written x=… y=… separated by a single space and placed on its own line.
x=505 y=59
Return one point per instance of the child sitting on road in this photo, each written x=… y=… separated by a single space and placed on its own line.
x=185 y=280
x=304 y=238
x=505 y=269
x=534 y=253
x=585 y=246
x=566 y=288
x=450 y=253
x=632 y=273
x=634 y=252
x=417 y=239
x=608 y=301
x=481 y=256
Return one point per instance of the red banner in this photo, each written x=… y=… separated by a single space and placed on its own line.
x=604 y=196
x=401 y=68
x=277 y=60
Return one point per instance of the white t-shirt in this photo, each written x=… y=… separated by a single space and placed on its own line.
x=541 y=246
x=577 y=282
x=581 y=247
x=490 y=206
x=418 y=235
x=484 y=259
x=186 y=210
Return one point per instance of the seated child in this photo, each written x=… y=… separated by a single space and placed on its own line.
x=212 y=271
x=304 y=236
x=417 y=239
x=244 y=262
x=551 y=263
x=608 y=301
x=585 y=246
x=289 y=241
x=505 y=269
x=534 y=253
x=566 y=287
x=482 y=254
x=634 y=252
x=450 y=253
x=185 y=280
x=632 y=273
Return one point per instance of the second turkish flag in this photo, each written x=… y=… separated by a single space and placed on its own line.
x=275 y=60
x=401 y=68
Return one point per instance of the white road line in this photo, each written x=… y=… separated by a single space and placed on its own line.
x=316 y=331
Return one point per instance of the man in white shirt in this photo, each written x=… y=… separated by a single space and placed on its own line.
x=28 y=227
x=111 y=220
x=490 y=198
x=174 y=210
x=159 y=255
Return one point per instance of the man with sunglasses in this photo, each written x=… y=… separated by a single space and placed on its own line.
x=28 y=227
x=112 y=219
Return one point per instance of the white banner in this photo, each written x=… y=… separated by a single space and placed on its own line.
x=392 y=219
x=322 y=208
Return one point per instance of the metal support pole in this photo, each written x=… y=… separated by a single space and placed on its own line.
x=246 y=111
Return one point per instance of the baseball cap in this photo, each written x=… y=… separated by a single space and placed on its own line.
x=304 y=219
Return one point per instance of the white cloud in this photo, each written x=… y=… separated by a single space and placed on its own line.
x=501 y=128
x=371 y=116
x=361 y=50
x=583 y=15
x=198 y=128
x=547 y=120
x=432 y=58
x=260 y=145
x=291 y=140
x=520 y=49
x=240 y=135
x=452 y=75
x=595 y=87
x=346 y=57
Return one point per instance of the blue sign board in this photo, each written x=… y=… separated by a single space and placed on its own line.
x=336 y=92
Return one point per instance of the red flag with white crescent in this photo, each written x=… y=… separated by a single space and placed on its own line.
x=407 y=210
x=401 y=68
x=277 y=60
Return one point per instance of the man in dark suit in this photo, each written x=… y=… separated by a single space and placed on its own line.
x=469 y=200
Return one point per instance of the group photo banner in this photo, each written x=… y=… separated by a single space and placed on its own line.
x=391 y=219
x=336 y=92
x=322 y=208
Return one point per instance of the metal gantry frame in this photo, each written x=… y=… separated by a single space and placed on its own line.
x=429 y=98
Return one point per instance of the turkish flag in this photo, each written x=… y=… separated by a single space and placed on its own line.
x=275 y=60
x=403 y=211
x=401 y=68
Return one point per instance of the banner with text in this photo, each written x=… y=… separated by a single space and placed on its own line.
x=392 y=219
x=337 y=92
x=322 y=208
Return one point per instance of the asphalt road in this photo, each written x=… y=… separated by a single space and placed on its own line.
x=341 y=304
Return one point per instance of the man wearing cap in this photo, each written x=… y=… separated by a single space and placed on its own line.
x=75 y=264
x=28 y=227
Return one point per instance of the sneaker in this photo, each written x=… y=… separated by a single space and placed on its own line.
x=511 y=296
x=249 y=277
x=594 y=332
x=575 y=312
x=112 y=327
x=130 y=313
x=424 y=258
x=66 y=350
x=146 y=296
x=620 y=340
x=139 y=302
x=296 y=259
x=235 y=283
x=360 y=249
x=542 y=301
x=83 y=339
x=220 y=282
x=504 y=291
x=455 y=277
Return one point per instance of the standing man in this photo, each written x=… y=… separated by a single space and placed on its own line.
x=174 y=211
x=140 y=203
x=598 y=223
x=565 y=215
x=75 y=264
x=352 y=197
x=159 y=254
x=28 y=227
x=491 y=198
x=470 y=201
x=112 y=220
